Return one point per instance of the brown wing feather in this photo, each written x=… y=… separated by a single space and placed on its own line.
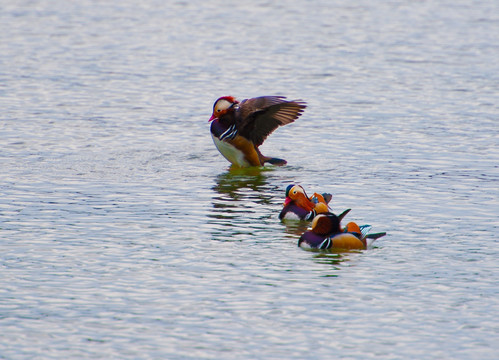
x=258 y=117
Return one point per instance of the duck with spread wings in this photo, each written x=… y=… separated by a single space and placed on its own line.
x=239 y=128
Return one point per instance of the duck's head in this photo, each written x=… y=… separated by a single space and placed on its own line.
x=326 y=224
x=222 y=106
x=296 y=194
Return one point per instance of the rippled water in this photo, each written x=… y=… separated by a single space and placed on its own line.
x=124 y=235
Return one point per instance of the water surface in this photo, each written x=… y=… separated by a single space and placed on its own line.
x=124 y=234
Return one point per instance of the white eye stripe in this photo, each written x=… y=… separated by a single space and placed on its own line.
x=223 y=105
x=297 y=190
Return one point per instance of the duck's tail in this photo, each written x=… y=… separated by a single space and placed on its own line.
x=370 y=238
x=274 y=161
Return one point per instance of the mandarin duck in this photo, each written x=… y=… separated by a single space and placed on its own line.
x=298 y=206
x=239 y=128
x=326 y=233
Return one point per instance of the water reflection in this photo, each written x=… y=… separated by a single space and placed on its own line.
x=241 y=202
x=231 y=182
x=335 y=259
x=296 y=228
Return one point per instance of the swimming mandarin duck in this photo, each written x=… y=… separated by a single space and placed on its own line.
x=298 y=206
x=239 y=128
x=326 y=233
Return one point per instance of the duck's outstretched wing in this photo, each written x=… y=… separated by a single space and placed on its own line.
x=258 y=117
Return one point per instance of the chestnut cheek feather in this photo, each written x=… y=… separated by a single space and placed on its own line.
x=305 y=202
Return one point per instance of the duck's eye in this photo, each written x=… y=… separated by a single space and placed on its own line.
x=219 y=110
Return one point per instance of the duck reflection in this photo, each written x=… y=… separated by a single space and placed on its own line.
x=335 y=260
x=231 y=183
x=296 y=228
x=237 y=203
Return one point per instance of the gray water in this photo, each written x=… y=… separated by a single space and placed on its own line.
x=123 y=235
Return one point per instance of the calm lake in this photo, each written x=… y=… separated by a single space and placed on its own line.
x=123 y=234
